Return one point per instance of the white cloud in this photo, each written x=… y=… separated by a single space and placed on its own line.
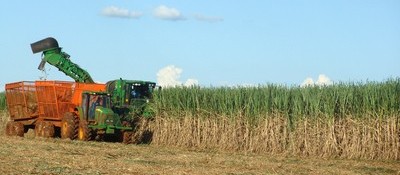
x=161 y=12
x=117 y=12
x=168 y=13
x=323 y=80
x=208 y=18
x=307 y=82
x=191 y=82
x=169 y=77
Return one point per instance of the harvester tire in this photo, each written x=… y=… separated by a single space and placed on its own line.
x=69 y=128
x=127 y=137
x=39 y=129
x=19 y=129
x=84 y=133
x=47 y=130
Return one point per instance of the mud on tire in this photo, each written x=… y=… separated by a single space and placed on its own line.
x=19 y=129
x=44 y=129
x=10 y=128
x=69 y=126
x=14 y=129
x=84 y=132
x=48 y=130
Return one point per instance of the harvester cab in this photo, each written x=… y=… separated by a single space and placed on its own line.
x=131 y=96
x=97 y=118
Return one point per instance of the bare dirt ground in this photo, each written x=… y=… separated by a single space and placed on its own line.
x=31 y=155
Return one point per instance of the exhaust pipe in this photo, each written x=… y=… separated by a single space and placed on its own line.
x=44 y=44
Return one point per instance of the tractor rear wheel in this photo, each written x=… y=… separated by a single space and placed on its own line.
x=48 y=130
x=69 y=126
x=84 y=132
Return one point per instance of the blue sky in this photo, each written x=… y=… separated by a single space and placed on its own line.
x=213 y=42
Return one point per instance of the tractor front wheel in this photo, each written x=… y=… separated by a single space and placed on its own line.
x=69 y=126
x=84 y=133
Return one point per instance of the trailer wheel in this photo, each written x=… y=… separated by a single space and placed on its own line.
x=69 y=126
x=15 y=129
x=84 y=133
x=48 y=130
x=39 y=129
x=10 y=128
x=19 y=129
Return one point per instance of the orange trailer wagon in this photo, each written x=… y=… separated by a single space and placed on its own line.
x=43 y=104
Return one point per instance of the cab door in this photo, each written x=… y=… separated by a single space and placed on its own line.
x=89 y=103
x=85 y=106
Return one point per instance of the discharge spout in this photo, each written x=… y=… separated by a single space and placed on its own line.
x=44 y=44
x=53 y=55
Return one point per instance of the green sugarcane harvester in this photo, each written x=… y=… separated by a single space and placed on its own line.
x=129 y=98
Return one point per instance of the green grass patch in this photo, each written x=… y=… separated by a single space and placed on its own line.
x=2 y=101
